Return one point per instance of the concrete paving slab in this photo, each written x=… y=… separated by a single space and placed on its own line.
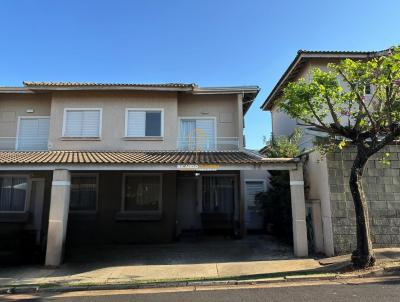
x=266 y=267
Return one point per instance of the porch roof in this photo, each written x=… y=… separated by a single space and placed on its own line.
x=137 y=157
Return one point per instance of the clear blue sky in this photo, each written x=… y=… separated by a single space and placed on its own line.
x=209 y=42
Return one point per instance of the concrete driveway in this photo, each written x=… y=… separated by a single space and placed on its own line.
x=208 y=258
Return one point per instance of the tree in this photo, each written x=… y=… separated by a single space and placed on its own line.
x=358 y=102
x=283 y=146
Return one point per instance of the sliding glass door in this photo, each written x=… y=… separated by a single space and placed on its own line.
x=197 y=134
x=218 y=194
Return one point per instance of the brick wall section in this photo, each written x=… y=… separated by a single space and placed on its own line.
x=382 y=189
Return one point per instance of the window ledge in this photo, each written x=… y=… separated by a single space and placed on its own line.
x=16 y=217
x=144 y=138
x=65 y=138
x=129 y=216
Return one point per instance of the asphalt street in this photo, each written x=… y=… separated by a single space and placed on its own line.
x=382 y=291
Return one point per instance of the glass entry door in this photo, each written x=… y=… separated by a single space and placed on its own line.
x=218 y=194
x=197 y=134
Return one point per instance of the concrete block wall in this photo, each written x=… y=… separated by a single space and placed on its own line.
x=382 y=188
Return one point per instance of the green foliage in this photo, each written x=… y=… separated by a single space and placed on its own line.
x=277 y=206
x=334 y=101
x=284 y=146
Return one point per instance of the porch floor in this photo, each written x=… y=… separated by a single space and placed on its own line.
x=209 y=258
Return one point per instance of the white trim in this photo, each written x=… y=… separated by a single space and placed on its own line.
x=145 y=110
x=60 y=183
x=29 y=117
x=297 y=183
x=27 y=195
x=81 y=109
x=160 y=206
x=97 y=192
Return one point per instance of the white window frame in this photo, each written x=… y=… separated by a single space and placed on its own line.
x=180 y=118
x=97 y=192
x=27 y=195
x=160 y=208
x=29 y=117
x=145 y=110
x=82 y=109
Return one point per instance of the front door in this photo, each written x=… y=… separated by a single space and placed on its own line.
x=254 y=210
x=187 y=214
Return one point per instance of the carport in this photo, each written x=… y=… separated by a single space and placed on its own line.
x=62 y=163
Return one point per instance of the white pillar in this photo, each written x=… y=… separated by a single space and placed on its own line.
x=300 y=243
x=58 y=217
x=242 y=204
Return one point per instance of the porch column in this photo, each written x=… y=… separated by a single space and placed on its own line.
x=242 y=205
x=58 y=217
x=300 y=243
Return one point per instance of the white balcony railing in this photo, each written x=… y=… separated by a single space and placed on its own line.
x=7 y=143
x=208 y=144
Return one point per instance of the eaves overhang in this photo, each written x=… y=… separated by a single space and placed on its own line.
x=304 y=56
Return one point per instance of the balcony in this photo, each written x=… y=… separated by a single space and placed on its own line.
x=208 y=144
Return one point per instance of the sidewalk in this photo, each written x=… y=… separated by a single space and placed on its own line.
x=117 y=273
x=67 y=275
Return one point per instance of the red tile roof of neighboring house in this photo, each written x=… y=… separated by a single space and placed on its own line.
x=134 y=157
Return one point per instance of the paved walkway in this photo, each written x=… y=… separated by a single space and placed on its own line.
x=211 y=258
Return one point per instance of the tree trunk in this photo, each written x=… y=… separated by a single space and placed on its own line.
x=363 y=256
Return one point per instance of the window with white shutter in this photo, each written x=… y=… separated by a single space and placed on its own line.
x=82 y=123
x=33 y=133
x=144 y=123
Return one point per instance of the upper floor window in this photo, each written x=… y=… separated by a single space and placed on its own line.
x=32 y=133
x=13 y=193
x=80 y=122
x=367 y=89
x=144 y=123
x=197 y=134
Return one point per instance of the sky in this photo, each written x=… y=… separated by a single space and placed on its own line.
x=208 y=42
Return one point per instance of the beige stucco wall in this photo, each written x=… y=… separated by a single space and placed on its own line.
x=317 y=190
x=222 y=107
x=113 y=119
x=113 y=104
x=14 y=105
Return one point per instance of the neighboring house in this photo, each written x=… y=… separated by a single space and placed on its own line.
x=87 y=163
x=327 y=192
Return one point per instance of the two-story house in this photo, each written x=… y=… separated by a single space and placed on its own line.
x=327 y=191
x=88 y=163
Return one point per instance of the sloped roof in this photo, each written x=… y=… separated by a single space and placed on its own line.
x=93 y=84
x=134 y=157
x=299 y=61
x=249 y=92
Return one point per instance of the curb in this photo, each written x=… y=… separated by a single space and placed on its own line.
x=39 y=289
x=290 y=278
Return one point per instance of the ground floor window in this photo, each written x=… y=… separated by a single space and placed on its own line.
x=83 y=193
x=218 y=194
x=142 y=193
x=13 y=193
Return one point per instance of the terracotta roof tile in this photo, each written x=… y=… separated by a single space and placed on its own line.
x=132 y=157
x=93 y=84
